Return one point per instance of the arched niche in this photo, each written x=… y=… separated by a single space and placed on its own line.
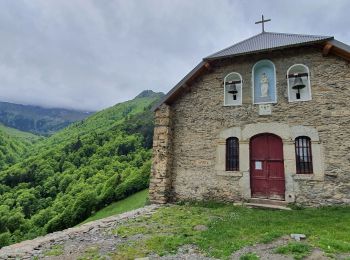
x=298 y=79
x=264 y=82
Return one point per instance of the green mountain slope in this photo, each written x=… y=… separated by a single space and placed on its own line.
x=18 y=134
x=38 y=120
x=14 y=144
x=78 y=171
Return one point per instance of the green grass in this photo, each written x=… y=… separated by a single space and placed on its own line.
x=55 y=250
x=92 y=253
x=134 y=201
x=249 y=256
x=231 y=228
x=298 y=250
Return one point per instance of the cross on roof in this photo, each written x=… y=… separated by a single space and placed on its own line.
x=262 y=22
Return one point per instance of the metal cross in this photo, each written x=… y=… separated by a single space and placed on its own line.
x=262 y=22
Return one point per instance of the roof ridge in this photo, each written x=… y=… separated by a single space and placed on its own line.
x=303 y=35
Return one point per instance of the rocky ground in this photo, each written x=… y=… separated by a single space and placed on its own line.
x=75 y=243
x=95 y=240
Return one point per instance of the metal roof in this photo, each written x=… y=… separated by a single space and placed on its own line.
x=267 y=41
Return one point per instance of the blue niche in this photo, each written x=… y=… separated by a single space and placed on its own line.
x=264 y=82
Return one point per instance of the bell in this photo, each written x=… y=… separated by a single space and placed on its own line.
x=298 y=83
x=233 y=90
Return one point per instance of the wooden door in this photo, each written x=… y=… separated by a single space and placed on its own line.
x=266 y=167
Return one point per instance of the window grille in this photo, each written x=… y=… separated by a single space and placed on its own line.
x=232 y=154
x=303 y=155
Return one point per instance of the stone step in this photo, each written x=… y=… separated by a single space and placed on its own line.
x=268 y=202
x=265 y=206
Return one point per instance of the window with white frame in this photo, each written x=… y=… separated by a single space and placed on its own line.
x=299 y=87
x=233 y=89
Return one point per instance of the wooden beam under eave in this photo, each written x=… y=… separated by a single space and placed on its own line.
x=326 y=49
x=207 y=66
x=341 y=53
x=186 y=87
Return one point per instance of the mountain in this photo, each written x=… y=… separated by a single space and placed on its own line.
x=77 y=171
x=38 y=120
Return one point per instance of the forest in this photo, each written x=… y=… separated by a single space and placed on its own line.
x=59 y=181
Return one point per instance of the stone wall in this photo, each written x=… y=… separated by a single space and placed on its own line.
x=160 y=184
x=199 y=117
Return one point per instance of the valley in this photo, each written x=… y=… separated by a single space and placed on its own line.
x=59 y=181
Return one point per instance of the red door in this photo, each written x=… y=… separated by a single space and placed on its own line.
x=266 y=167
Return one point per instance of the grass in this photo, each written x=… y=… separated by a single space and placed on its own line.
x=92 y=253
x=298 y=250
x=231 y=228
x=55 y=250
x=249 y=256
x=134 y=201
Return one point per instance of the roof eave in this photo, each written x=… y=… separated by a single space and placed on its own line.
x=174 y=91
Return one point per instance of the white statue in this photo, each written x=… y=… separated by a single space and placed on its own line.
x=264 y=85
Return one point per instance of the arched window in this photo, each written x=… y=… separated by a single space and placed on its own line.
x=299 y=88
x=232 y=154
x=233 y=89
x=303 y=155
x=264 y=82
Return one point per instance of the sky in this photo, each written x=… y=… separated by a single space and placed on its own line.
x=89 y=55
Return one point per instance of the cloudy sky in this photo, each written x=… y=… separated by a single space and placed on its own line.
x=89 y=55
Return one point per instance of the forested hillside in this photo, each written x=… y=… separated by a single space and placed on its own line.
x=77 y=171
x=14 y=145
x=38 y=120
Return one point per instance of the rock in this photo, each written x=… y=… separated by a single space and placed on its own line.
x=297 y=237
x=142 y=258
x=200 y=228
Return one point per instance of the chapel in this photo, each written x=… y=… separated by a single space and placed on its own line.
x=267 y=118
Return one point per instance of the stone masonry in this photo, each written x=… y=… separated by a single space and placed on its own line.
x=160 y=183
x=190 y=133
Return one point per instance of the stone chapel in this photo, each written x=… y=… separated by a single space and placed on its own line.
x=267 y=118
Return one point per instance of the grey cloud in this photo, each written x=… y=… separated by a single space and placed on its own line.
x=87 y=54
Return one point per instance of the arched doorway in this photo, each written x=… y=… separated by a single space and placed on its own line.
x=267 y=167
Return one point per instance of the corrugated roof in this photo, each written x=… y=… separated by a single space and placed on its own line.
x=267 y=41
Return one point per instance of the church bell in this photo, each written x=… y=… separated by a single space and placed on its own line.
x=298 y=84
x=233 y=89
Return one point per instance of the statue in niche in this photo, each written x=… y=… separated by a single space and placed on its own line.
x=264 y=85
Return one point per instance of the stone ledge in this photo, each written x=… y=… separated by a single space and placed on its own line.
x=229 y=173
x=310 y=177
